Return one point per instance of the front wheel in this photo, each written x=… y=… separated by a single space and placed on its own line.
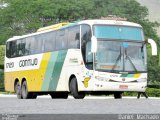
x=73 y=87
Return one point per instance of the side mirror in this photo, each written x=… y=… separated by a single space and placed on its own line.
x=93 y=44
x=153 y=46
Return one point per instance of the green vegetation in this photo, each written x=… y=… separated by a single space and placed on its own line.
x=151 y=92
x=2 y=49
x=1 y=81
x=25 y=16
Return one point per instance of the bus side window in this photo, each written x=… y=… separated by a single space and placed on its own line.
x=38 y=41
x=89 y=57
x=61 y=40
x=8 y=50
x=49 y=41
x=29 y=45
x=74 y=37
x=21 y=47
x=31 y=42
x=13 y=49
x=86 y=46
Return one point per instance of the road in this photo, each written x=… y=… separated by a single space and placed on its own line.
x=89 y=105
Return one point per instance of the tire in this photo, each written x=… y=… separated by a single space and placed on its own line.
x=59 y=95
x=73 y=87
x=18 y=90
x=118 y=95
x=25 y=93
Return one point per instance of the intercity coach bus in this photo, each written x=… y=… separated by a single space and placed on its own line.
x=85 y=57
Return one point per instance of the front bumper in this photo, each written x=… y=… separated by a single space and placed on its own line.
x=117 y=86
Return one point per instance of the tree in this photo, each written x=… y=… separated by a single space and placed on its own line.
x=24 y=16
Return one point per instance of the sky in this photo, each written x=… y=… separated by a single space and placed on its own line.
x=154 y=10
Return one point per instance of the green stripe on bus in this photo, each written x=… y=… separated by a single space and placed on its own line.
x=53 y=70
x=49 y=71
x=57 y=70
x=124 y=75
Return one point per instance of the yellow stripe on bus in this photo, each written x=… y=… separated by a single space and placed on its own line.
x=34 y=77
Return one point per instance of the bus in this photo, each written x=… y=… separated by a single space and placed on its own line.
x=86 y=57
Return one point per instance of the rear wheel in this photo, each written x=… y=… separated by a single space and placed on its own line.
x=25 y=93
x=17 y=88
x=59 y=95
x=118 y=95
x=73 y=86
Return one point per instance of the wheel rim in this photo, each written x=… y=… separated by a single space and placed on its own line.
x=17 y=89
x=24 y=91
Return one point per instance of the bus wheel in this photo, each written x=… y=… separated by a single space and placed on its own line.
x=18 y=91
x=73 y=87
x=25 y=93
x=59 y=95
x=118 y=95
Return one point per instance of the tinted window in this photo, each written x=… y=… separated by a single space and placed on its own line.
x=74 y=37
x=61 y=39
x=34 y=45
x=49 y=43
x=29 y=48
x=8 y=54
x=86 y=45
x=38 y=44
x=21 y=47
x=13 y=46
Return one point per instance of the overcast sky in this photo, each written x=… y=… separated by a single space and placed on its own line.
x=154 y=10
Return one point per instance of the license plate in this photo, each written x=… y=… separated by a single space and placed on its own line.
x=123 y=86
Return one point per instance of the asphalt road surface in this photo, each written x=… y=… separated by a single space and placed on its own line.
x=89 y=105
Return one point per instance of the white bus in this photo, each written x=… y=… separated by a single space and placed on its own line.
x=86 y=57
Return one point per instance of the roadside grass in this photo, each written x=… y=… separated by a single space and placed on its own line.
x=151 y=92
x=7 y=93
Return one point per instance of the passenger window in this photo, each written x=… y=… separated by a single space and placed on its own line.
x=61 y=39
x=21 y=47
x=49 y=41
x=13 y=48
x=74 y=37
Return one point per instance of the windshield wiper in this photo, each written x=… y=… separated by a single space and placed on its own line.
x=130 y=60
x=118 y=58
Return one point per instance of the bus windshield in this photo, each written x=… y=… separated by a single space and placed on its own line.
x=118 y=32
x=120 y=56
x=120 y=49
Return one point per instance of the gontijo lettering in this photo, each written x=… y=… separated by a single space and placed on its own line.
x=28 y=62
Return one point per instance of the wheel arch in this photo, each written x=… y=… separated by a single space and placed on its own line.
x=23 y=79
x=70 y=78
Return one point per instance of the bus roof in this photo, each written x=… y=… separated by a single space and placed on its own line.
x=65 y=25
x=53 y=27
x=109 y=22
